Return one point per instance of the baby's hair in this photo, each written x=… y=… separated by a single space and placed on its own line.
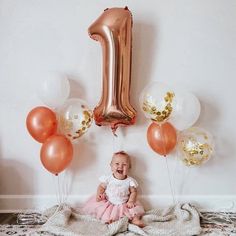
x=123 y=153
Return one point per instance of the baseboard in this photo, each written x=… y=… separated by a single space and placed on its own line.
x=17 y=203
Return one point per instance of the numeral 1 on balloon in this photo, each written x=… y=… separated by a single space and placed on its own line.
x=113 y=29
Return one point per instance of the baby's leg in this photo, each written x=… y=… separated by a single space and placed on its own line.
x=137 y=221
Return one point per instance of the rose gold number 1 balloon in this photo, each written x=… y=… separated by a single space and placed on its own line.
x=113 y=30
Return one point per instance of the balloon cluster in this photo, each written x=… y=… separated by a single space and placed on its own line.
x=57 y=129
x=172 y=110
x=169 y=109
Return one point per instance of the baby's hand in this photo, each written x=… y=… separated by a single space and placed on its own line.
x=100 y=197
x=130 y=204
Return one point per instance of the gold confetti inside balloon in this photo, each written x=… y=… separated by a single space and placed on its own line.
x=195 y=146
x=157 y=101
x=74 y=118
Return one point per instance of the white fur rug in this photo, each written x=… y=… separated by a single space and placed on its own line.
x=181 y=220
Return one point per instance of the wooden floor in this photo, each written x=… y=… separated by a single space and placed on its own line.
x=8 y=218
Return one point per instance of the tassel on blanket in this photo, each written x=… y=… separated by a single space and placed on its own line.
x=223 y=221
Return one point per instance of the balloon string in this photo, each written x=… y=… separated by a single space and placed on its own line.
x=167 y=167
x=59 y=189
x=56 y=188
x=185 y=176
x=62 y=187
x=170 y=182
x=163 y=138
x=65 y=187
x=174 y=179
x=113 y=143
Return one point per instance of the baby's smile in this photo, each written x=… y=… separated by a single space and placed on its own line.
x=120 y=172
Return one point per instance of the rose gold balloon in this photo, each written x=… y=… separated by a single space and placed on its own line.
x=56 y=153
x=162 y=138
x=41 y=123
x=113 y=29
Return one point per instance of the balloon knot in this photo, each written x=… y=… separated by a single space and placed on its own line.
x=126 y=8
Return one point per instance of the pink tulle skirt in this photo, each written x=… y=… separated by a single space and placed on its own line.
x=107 y=212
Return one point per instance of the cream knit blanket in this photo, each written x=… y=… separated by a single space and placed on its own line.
x=180 y=220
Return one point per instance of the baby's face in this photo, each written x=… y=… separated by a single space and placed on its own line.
x=120 y=166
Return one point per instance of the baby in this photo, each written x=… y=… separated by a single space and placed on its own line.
x=117 y=194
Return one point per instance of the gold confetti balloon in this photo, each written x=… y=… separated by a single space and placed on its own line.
x=74 y=118
x=157 y=101
x=195 y=146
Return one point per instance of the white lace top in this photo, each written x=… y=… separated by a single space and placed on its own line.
x=117 y=191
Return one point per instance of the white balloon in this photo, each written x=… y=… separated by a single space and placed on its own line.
x=74 y=118
x=54 y=90
x=186 y=111
x=195 y=146
x=157 y=101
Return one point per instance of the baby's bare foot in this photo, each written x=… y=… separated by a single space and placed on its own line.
x=138 y=222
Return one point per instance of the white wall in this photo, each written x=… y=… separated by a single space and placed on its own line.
x=191 y=43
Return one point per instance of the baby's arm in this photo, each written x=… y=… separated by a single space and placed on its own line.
x=101 y=193
x=132 y=197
